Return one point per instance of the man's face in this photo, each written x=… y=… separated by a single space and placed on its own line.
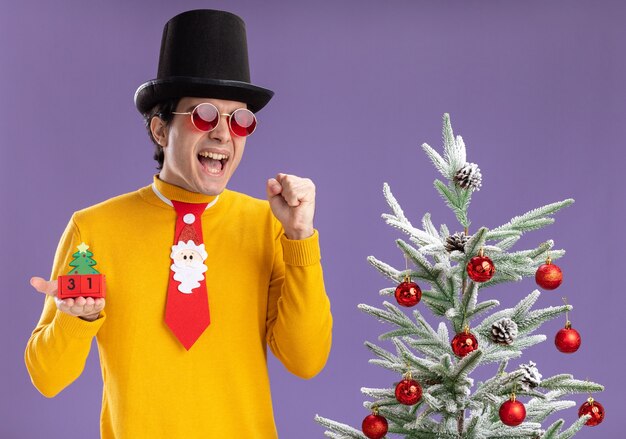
x=185 y=164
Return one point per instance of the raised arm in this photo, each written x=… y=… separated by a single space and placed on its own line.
x=299 y=322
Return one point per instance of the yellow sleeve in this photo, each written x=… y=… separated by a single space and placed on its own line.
x=299 y=322
x=58 y=347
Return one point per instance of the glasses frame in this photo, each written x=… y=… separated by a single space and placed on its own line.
x=230 y=116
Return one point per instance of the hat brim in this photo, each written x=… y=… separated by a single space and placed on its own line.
x=152 y=92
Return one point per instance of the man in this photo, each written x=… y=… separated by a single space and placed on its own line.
x=199 y=278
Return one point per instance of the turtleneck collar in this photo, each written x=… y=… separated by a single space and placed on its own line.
x=172 y=192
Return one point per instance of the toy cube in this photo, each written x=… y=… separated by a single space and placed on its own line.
x=81 y=285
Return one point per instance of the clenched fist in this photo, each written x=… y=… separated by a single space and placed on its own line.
x=87 y=308
x=292 y=200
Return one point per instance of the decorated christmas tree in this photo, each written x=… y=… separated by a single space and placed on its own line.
x=435 y=397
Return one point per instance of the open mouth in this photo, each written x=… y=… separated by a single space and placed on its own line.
x=212 y=162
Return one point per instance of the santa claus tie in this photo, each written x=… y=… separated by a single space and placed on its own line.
x=187 y=308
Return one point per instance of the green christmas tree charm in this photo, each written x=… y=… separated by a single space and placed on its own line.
x=83 y=280
x=82 y=261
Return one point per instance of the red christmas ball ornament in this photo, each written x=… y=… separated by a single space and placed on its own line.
x=567 y=340
x=593 y=408
x=408 y=392
x=463 y=343
x=549 y=275
x=374 y=426
x=512 y=412
x=480 y=268
x=408 y=293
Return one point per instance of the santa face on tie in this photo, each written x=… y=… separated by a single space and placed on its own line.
x=188 y=266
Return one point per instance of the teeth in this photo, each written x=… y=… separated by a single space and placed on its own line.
x=213 y=155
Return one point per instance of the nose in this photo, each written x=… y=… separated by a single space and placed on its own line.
x=221 y=133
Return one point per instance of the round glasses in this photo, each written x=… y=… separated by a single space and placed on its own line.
x=206 y=116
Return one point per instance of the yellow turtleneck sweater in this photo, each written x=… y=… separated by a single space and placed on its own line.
x=263 y=289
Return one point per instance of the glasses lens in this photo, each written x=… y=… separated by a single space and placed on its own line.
x=242 y=122
x=205 y=117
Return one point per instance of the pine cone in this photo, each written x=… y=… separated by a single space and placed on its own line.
x=504 y=331
x=531 y=378
x=468 y=177
x=456 y=242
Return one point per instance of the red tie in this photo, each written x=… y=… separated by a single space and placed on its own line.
x=187 y=308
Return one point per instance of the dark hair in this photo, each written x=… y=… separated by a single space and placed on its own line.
x=162 y=110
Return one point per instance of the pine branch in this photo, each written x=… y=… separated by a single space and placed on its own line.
x=386 y=270
x=496 y=235
x=566 y=384
x=442 y=333
x=402 y=226
x=493 y=386
x=419 y=260
x=425 y=270
x=467 y=364
x=536 y=318
x=517 y=313
x=397 y=416
x=443 y=232
x=523 y=307
x=345 y=430
x=381 y=353
x=432 y=348
x=461 y=151
x=377 y=393
x=400 y=221
x=472 y=247
x=502 y=367
x=392 y=366
x=450 y=150
x=335 y=435
x=399 y=319
x=482 y=308
x=436 y=302
x=509 y=242
x=535 y=218
x=495 y=353
x=454 y=151
x=574 y=428
x=429 y=227
x=553 y=431
x=521 y=343
x=401 y=332
x=387 y=291
x=538 y=410
x=393 y=203
x=526 y=430
x=459 y=314
x=455 y=200
x=441 y=165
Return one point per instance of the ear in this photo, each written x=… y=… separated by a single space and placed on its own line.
x=159 y=130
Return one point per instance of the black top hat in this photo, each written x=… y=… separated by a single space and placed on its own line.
x=204 y=53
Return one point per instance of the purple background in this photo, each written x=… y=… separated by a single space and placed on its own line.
x=535 y=88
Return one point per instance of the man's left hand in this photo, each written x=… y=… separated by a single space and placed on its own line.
x=292 y=200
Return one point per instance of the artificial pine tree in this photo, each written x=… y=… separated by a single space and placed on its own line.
x=454 y=269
